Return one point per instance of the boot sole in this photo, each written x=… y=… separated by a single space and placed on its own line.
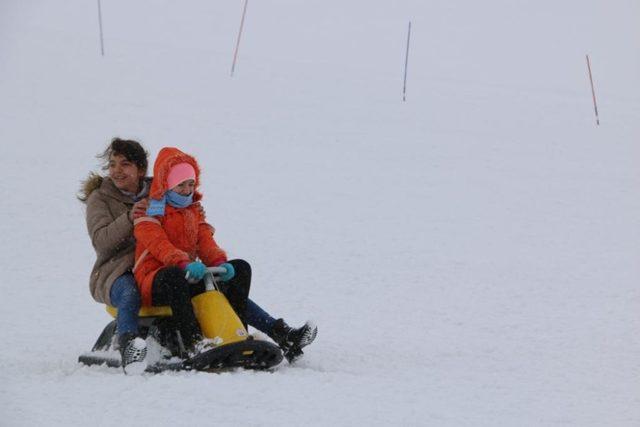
x=135 y=368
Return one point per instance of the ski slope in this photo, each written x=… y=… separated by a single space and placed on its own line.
x=470 y=255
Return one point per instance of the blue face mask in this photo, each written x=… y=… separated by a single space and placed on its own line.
x=177 y=200
x=156 y=207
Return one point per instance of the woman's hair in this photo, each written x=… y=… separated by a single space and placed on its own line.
x=129 y=149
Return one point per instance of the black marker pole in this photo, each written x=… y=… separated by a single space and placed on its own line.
x=593 y=91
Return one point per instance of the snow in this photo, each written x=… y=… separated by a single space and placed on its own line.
x=470 y=255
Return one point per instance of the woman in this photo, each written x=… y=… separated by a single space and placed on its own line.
x=112 y=203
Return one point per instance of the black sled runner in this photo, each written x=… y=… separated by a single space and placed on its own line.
x=228 y=343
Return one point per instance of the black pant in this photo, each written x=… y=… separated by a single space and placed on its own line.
x=171 y=288
x=237 y=289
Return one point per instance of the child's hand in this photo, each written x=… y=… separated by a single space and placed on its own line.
x=231 y=272
x=195 y=271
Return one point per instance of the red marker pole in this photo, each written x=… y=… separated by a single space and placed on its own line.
x=593 y=91
x=235 y=54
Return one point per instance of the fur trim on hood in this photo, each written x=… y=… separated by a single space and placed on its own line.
x=88 y=186
x=168 y=157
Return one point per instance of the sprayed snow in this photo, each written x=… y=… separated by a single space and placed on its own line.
x=470 y=256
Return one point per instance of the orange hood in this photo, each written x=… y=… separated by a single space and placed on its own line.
x=167 y=158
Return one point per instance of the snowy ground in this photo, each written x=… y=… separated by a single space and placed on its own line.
x=470 y=255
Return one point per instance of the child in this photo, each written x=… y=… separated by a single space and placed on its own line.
x=171 y=239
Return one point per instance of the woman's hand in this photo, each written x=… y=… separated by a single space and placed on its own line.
x=139 y=209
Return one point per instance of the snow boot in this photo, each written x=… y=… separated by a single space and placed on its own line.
x=292 y=340
x=202 y=345
x=134 y=353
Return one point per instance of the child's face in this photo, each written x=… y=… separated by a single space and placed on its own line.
x=185 y=187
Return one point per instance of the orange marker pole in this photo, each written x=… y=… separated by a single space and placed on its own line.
x=235 y=54
x=593 y=92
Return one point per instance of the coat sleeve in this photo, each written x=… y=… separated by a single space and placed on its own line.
x=208 y=250
x=106 y=232
x=151 y=235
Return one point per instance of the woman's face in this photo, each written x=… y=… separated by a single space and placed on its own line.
x=185 y=187
x=124 y=173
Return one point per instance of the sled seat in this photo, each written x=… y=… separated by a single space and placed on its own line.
x=145 y=311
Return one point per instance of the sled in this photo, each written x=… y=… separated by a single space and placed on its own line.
x=231 y=345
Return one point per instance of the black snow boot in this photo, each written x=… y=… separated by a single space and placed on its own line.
x=291 y=340
x=134 y=353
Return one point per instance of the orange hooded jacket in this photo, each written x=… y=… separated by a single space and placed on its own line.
x=180 y=235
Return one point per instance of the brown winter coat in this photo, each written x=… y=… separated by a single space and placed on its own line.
x=111 y=232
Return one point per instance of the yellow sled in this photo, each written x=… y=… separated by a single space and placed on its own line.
x=232 y=345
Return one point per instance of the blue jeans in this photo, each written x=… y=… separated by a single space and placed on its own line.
x=126 y=298
x=258 y=318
